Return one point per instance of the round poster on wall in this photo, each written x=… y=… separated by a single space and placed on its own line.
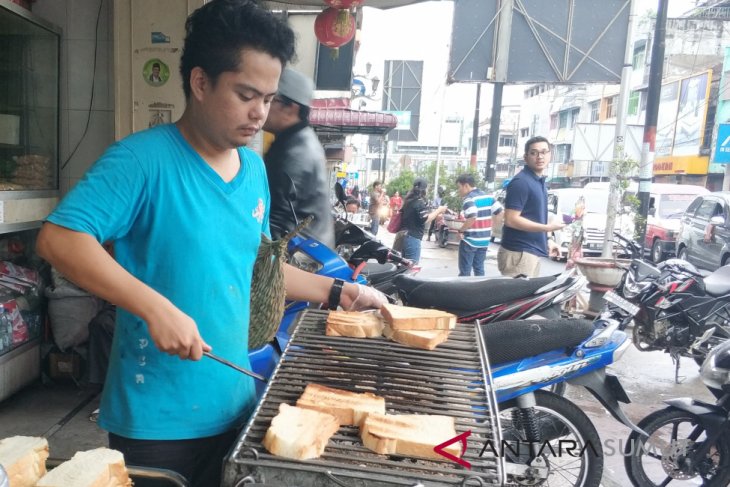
x=155 y=72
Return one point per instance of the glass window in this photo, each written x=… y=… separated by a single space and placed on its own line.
x=594 y=111
x=28 y=104
x=611 y=107
x=639 y=55
x=634 y=102
x=706 y=209
x=693 y=206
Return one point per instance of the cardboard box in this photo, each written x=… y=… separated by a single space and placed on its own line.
x=64 y=365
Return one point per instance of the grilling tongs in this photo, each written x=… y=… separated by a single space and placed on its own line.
x=234 y=366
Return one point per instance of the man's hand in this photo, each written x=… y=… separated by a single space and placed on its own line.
x=176 y=333
x=356 y=297
x=551 y=227
x=553 y=249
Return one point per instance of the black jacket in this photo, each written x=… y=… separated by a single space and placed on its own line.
x=296 y=152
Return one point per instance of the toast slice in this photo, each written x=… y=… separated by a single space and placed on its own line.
x=410 y=435
x=408 y=318
x=350 y=408
x=354 y=324
x=424 y=339
x=298 y=433
x=24 y=459
x=100 y=467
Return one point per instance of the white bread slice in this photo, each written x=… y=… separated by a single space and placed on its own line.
x=425 y=339
x=100 y=467
x=408 y=318
x=299 y=433
x=410 y=435
x=24 y=459
x=354 y=324
x=350 y=408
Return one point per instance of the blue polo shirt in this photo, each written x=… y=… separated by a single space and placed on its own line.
x=527 y=194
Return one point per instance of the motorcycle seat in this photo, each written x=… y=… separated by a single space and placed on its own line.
x=466 y=296
x=376 y=272
x=718 y=283
x=508 y=341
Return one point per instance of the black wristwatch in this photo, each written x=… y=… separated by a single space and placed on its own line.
x=335 y=293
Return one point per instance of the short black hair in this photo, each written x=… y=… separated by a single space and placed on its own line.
x=351 y=201
x=535 y=140
x=216 y=33
x=466 y=178
x=155 y=65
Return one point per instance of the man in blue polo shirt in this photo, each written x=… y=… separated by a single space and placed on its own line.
x=526 y=226
x=476 y=230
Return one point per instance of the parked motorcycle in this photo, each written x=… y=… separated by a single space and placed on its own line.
x=492 y=299
x=445 y=231
x=689 y=440
x=537 y=425
x=673 y=307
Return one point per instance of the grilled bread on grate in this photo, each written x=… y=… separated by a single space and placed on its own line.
x=350 y=408
x=410 y=435
x=424 y=339
x=298 y=433
x=24 y=459
x=408 y=318
x=267 y=288
x=354 y=324
x=92 y=468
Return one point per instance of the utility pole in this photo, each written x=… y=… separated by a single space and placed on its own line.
x=652 y=114
x=618 y=140
x=438 y=151
x=475 y=129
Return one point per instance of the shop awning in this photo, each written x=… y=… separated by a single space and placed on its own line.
x=334 y=117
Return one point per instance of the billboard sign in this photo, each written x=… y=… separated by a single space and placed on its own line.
x=722 y=150
x=691 y=115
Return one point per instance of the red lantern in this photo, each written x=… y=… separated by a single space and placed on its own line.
x=344 y=3
x=334 y=28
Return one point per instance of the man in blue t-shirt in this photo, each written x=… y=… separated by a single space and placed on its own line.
x=476 y=231
x=524 y=238
x=185 y=205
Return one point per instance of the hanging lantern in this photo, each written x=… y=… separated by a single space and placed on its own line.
x=344 y=3
x=334 y=28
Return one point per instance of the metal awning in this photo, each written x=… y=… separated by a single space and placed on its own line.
x=333 y=116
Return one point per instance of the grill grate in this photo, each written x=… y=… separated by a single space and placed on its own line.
x=446 y=381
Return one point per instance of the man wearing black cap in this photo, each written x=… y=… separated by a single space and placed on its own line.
x=297 y=154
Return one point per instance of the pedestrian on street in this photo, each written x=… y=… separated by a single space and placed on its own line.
x=415 y=218
x=376 y=201
x=297 y=156
x=525 y=238
x=185 y=205
x=476 y=231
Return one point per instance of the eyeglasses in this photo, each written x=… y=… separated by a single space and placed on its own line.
x=535 y=153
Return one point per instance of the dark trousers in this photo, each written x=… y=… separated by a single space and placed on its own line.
x=199 y=460
x=471 y=258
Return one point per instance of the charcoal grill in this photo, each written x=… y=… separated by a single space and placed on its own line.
x=447 y=381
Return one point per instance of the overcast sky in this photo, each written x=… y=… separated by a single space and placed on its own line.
x=422 y=32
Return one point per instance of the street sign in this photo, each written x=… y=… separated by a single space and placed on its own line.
x=722 y=151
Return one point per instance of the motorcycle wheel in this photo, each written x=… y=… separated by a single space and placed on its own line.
x=443 y=237
x=661 y=458
x=560 y=422
x=718 y=337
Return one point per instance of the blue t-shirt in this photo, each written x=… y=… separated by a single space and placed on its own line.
x=182 y=230
x=527 y=194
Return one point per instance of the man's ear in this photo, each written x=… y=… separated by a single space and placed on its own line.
x=199 y=82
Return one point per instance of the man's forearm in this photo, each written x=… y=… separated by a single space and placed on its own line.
x=519 y=222
x=306 y=286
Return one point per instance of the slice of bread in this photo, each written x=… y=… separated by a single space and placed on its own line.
x=24 y=459
x=354 y=324
x=350 y=408
x=425 y=339
x=299 y=433
x=408 y=318
x=410 y=435
x=100 y=467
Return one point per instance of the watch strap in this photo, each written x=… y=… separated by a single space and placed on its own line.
x=335 y=293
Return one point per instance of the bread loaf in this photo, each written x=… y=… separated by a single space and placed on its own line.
x=100 y=467
x=354 y=324
x=350 y=408
x=299 y=433
x=425 y=339
x=410 y=435
x=24 y=459
x=408 y=318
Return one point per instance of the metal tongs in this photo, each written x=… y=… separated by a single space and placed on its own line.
x=235 y=367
